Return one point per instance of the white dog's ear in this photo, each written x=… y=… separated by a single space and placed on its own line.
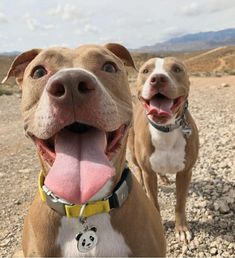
x=19 y=64
x=121 y=52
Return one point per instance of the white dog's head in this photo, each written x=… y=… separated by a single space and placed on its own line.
x=163 y=87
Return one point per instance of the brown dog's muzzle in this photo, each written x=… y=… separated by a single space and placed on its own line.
x=74 y=95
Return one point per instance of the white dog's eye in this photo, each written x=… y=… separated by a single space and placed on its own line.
x=38 y=72
x=145 y=70
x=109 y=67
x=176 y=69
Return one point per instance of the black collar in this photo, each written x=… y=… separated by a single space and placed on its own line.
x=181 y=121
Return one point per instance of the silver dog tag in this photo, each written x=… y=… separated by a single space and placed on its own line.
x=187 y=131
x=86 y=239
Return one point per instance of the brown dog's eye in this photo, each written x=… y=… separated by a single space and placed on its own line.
x=145 y=70
x=177 y=69
x=38 y=72
x=109 y=68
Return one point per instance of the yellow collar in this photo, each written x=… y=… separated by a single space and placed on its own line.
x=115 y=200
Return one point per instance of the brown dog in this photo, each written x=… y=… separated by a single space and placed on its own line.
x=164 y=137
x=77 y=109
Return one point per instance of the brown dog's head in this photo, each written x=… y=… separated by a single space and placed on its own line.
x=163 y=87
x=76 y=106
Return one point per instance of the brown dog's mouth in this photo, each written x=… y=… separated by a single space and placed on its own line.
x=46 y=148
x=161 y=106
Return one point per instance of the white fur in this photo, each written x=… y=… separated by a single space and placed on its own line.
x=169 y=153
x=110 y=242
x=159 y=69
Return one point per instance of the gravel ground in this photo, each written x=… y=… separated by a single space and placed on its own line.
x=211 y=201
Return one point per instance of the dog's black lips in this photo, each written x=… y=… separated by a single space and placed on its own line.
x=78 y=127
x=160 y=96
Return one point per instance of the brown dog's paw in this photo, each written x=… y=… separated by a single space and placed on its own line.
x=183 y=234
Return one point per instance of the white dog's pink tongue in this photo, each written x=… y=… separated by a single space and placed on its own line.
x=161 y=106
x=81 y=167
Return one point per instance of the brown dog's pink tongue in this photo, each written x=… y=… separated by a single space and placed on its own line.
x=161 y=106
x=81 y=167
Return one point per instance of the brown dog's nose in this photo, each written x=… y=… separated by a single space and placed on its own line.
x=67 y=83
x=158 y=80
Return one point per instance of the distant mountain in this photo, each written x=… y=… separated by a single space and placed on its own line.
x=194 y=42
x=11 y=53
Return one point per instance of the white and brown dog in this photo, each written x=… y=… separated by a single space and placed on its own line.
x=77 y=109
x=164 y=137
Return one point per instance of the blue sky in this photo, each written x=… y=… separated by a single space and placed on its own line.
x=26 y=24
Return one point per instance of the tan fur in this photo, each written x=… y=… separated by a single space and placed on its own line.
x=137 y=220
x=141 y=147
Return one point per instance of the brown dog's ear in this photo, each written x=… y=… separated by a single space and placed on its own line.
x=121 y=52
x=19 y=64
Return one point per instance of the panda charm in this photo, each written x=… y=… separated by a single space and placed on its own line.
x=86 y=239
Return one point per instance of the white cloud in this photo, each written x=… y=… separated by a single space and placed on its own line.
x=191 y=9
x=218 y=5
x=49 y=26
x=91 y=28
x=3 y=18
x=66 y=12
x=32 y=23
x=210 y=6
x=88 y=28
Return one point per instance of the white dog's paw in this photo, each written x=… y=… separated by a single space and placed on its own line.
x=183 y=235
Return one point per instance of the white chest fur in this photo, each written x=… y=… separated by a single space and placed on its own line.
x=110 y=242
x=169 y=153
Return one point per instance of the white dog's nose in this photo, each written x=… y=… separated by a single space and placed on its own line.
x=158 y=80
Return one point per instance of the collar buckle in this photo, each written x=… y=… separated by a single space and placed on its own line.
x=121 y=194
x=55 y=203
x=187 y=131
x=122 y=190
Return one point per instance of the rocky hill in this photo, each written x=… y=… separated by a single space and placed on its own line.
x=194 y=42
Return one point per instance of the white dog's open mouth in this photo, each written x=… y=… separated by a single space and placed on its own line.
x=160 y=106
x=79 y=156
